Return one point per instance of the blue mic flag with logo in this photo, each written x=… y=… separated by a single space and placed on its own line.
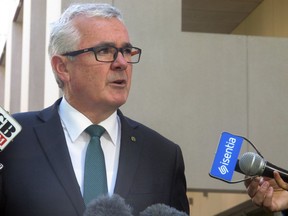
x=226 y=156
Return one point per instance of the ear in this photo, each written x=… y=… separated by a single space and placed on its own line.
x=59 y=66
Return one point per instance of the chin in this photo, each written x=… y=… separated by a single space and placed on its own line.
x=118 y=103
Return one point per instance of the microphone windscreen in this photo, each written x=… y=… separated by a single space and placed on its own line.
x=251 y=164
x=108 y=206
x=161 y=210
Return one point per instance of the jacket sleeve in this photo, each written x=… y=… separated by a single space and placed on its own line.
x=179 y=196
x=1 y=190
x=285 y=212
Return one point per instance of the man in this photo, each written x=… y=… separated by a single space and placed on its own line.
x=91 y=56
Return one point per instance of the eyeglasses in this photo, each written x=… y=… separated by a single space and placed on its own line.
x=108 y=53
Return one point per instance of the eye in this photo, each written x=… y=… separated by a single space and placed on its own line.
x=104 y=51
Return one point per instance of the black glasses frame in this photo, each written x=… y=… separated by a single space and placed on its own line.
x=98 y=48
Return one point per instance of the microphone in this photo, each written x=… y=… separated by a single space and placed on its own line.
x=161 y=210
x=106 y=205
x=252 y=164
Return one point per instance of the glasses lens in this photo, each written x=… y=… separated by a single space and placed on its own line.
x=131 y=54
x=110 y=53
x=105 y=54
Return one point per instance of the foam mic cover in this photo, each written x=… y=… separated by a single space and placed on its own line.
x=161 y=210
x=108 y=206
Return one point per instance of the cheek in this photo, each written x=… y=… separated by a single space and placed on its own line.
x=80 y=82
x=93 y=82
x=129 y=75
x=90 y=76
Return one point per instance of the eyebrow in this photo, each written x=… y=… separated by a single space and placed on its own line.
x=103 y=44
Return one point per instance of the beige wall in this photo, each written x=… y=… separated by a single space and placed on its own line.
x=268 y=19
x=208 y=204
x=204 y=84
x=200 y=84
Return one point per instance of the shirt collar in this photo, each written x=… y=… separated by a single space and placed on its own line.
x=75 y=122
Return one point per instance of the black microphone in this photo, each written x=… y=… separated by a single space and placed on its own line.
x=106 y=205
x=161 y=210
x=252 y=164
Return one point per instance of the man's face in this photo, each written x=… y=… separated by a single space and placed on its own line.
x=98 y=85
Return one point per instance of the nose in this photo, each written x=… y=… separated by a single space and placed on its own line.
x=120 y=62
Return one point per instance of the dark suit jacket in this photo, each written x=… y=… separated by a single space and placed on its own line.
x=38 y=177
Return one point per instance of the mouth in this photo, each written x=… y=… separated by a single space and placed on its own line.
x=119 y=82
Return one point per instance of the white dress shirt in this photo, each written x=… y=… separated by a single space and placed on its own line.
x=74 y=123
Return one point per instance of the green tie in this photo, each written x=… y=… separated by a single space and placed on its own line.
x=95 y=181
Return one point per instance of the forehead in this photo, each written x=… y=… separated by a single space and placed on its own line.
x=96 y=30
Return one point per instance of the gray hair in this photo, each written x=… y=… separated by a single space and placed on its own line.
x=64 y=36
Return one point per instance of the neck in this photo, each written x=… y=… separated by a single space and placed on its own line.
x=96 y=113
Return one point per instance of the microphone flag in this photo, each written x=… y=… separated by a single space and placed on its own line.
x=226 y=157
x=9 y=128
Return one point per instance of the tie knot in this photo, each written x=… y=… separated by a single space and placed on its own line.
x=95 y=130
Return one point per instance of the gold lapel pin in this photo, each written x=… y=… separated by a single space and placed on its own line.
x=133 y=139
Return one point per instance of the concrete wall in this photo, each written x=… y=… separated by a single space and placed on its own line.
x=204 y=84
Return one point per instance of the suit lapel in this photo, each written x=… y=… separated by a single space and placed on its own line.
x=129 y=156
x=53 y=143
